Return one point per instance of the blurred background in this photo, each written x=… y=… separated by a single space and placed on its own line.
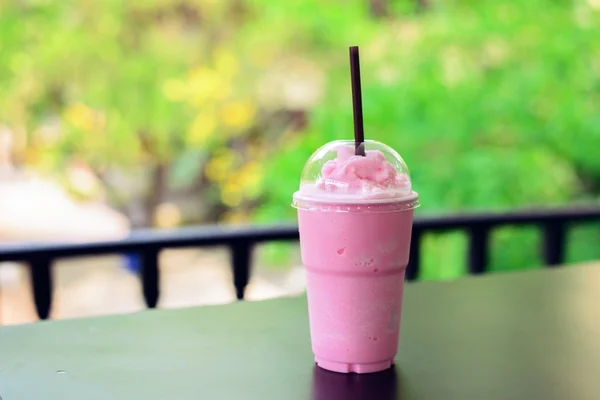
x=163 y=113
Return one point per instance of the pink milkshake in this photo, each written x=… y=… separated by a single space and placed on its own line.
x=355 y=217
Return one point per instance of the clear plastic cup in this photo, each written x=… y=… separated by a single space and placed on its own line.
x=355 y=218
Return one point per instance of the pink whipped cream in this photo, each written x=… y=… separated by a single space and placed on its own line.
x=356 y=177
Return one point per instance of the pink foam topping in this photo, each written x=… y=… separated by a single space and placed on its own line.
x=371 y=176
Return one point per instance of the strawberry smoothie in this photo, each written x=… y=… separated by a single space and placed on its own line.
x=355 y=217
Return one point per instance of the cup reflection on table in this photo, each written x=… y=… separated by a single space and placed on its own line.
x=327 y=385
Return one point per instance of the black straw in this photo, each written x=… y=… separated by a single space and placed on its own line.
x=359 y=132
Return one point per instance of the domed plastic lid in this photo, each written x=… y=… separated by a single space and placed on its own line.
x=334 y=174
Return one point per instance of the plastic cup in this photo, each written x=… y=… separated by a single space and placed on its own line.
x=355 y=218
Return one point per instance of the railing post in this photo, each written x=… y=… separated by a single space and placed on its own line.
x=241 y=254
x=150 y=275
x=478 y=248
x=40 y=274
x=414 y=262
x=553 y=243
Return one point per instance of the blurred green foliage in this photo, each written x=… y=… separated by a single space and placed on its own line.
x=493 y=105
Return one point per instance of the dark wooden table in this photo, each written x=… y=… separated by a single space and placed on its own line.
x=527 y=335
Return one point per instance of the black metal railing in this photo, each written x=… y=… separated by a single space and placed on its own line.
x=554 y=225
